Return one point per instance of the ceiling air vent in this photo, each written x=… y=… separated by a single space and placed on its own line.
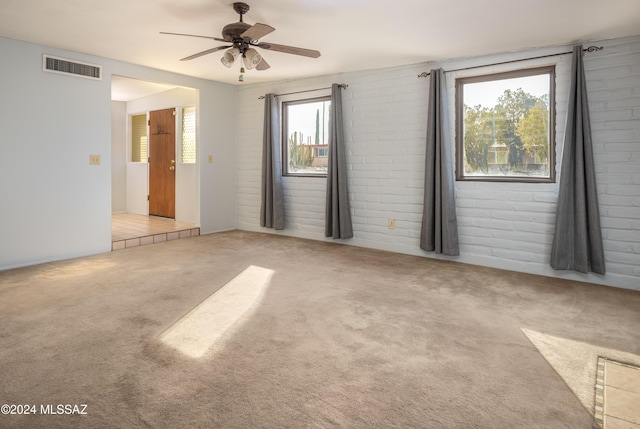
x=65 y=66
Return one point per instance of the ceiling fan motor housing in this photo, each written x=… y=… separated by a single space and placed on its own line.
x=233 y=32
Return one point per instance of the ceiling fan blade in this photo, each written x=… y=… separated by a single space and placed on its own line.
x=290 y=49
x=208 y=51
x=263 y=65
x=257 y=31
x=194 y=35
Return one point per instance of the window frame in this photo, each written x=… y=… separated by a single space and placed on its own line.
x=459 y=125
x=284 y=131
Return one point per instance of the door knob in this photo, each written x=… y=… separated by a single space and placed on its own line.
x=173 y=167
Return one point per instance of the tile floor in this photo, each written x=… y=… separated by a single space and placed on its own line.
x=617 y=395
x=132 y=230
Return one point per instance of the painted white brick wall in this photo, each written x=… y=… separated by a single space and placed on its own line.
x=614 y=100
x=503 y=225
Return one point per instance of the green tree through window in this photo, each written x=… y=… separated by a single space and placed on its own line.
x=503 y=126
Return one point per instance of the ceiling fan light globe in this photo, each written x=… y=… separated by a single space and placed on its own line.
x=251 y=58
x=229 y=57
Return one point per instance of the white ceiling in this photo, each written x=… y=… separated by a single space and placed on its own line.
x=351 y=34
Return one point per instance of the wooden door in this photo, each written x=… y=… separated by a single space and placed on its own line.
x=162 y=164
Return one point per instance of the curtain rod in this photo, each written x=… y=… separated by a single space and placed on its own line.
x=589 y=49
x=342 y=85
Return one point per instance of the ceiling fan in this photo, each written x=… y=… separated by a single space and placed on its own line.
x=242 y=38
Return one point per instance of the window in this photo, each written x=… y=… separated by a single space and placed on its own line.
x=505 y=126
x=305 y=137
x=189 y=135
x=139 y=151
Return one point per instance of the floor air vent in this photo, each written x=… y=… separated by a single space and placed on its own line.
x=69 y=67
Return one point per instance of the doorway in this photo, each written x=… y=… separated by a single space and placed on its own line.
x=174 y=197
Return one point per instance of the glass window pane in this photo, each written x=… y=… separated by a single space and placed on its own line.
x=139 y=151
x=505 y=126
x=306 y=137
x=189 y=135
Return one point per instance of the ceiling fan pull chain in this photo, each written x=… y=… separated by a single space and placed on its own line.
x=241 y=78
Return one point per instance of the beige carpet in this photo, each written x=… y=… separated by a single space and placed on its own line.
x=337 y=337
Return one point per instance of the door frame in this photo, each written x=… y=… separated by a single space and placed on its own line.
x=131 y=178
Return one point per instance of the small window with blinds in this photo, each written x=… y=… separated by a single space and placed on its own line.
x=189 y=135
x=139 y=145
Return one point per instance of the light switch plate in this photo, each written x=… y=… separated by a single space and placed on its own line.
x=94 y=159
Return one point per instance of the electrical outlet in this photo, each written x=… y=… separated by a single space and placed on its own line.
x=391 y=223
x=210 y=159
x=94 y=159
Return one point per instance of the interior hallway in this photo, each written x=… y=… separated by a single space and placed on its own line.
x=132 y=230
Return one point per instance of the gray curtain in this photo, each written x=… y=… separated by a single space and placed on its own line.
x=272 y=204
x=439 y=231
x=338 y=212
x=577 y=241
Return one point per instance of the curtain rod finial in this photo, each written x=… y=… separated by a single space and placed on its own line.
x=424 y=74
x=593 y=48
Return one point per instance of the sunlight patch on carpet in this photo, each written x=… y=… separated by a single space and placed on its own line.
x=576 y=362
x=200 y=329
